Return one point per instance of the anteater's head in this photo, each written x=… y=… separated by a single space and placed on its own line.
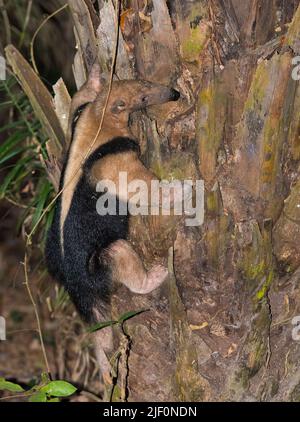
x=131 y=95
x=126 y=97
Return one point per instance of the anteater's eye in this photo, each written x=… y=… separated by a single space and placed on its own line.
x=118 y=106
x=145 y=99
x=121 y=105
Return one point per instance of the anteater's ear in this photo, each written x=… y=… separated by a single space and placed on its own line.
x=96 y=80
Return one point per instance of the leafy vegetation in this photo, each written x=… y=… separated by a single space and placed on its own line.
x=25 y=182
x=120 y=321
x=45 y=391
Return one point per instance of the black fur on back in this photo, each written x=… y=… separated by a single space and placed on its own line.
x=80 y=270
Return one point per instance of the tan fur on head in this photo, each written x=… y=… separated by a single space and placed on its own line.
x=128 y=96
x=87 y=94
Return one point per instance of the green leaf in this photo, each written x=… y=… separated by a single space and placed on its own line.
x=101 y=325
x=130 y=314
x=13 y=125
x=59 y=389
x=10 y=386
x=11 y=142
x=12 y=154
x=38 y=397
x=45 y=379
x=12 y=175
x=42 y=198
x=56 y=400
x=122 y=318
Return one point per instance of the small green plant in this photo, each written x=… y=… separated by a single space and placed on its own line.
x=120 y=321
x=45 y=391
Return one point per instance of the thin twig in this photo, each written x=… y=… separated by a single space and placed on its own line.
x=15 y=397
x=282 y=322
x=36 y=314
x=26 y=21
x=6 y=22
x=36 y=33
x=25 y=330
x=17 y=204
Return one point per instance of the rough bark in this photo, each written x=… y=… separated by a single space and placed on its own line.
x=221 y=330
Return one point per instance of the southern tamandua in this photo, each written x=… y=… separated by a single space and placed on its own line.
x=85 y=251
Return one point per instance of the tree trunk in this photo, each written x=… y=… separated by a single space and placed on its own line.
x=220 y=329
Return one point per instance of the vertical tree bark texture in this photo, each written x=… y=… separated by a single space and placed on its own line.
x=220 y=329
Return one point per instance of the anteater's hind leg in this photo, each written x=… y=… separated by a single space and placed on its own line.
x=128 y=269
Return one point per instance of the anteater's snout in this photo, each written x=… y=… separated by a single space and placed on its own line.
x=153 y=94
x=175 y=95
x=168 y=94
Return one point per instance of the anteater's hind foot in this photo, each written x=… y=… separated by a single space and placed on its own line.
x=128 y=269
x=152 y=280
